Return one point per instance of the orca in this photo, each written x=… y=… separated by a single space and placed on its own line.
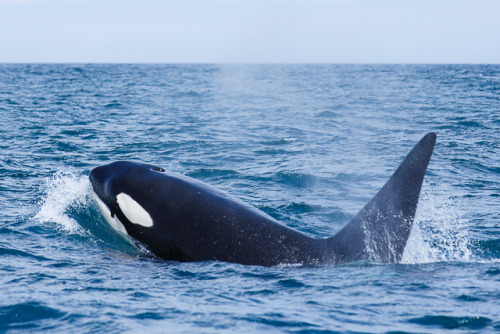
x=182 y=219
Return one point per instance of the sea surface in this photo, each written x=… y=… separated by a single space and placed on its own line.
x=307 y=144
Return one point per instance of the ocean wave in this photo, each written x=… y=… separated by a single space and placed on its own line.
x=451 y=322
x=301 y=180
x=212 y=173
x=28 y=316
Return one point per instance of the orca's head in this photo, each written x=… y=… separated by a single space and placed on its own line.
x=121 y=190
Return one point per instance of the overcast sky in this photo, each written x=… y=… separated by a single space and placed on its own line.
x=250 y=31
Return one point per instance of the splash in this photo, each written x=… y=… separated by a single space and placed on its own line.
x=440 y=233
x=68 y=203
x=65 y=191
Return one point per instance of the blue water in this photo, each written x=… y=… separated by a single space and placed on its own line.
x=307 y=144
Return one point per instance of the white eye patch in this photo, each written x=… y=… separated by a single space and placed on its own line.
x=133 y=210
x=114 y=222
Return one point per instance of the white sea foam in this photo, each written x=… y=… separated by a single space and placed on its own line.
x=64 y=190
x=440 y=233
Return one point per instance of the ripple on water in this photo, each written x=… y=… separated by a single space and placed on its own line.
x=449 y=322
x=149 y=316
x=278 y=320
x=212 y=173
x=299 y=180
x=468 y=298
x=30 y=315
x=20 y=253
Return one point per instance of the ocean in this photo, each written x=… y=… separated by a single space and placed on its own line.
x=307 y=144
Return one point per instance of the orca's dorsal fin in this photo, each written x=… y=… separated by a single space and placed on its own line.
x=380 y=230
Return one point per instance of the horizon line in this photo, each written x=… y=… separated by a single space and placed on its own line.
x=234 y=63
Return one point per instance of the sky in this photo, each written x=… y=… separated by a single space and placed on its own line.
x=250 y=31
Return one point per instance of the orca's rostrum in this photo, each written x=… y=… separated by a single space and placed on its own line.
x=182 y=219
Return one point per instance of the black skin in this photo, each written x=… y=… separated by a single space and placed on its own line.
x=195 y=222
